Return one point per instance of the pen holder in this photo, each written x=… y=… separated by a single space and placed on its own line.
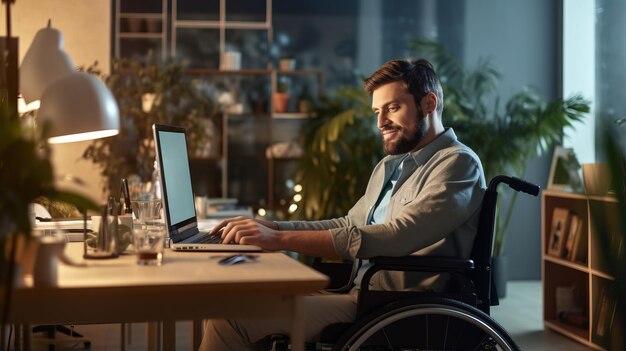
x=123 y=234
x=102 y=243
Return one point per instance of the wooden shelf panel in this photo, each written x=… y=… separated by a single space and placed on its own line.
x=602 y=274
x=299 y=72
x=140 y=35
x=580 y=196
x=141 y=15
x=179 y=23
x=566 y=263
x=580 y=335
x=563 y=194
x=215 y=71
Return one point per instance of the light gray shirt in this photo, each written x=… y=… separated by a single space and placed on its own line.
x=433 y=209
x=380 y=211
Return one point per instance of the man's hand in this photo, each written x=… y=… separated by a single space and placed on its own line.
x=265 y=234
x=248 y=231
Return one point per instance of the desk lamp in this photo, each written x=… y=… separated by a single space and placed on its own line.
x=78 y=105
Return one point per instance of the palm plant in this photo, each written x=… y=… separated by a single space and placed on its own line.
x=342 y=146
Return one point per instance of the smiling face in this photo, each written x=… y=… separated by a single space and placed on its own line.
x=401 y=123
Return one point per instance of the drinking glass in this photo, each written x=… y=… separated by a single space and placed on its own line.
x=146 y=211
x=148 y=241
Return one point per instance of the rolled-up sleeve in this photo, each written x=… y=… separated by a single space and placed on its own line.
x=442 y=196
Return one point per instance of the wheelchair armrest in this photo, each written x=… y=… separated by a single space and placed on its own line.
x=423 y=263
x=427 y=264
x=368 y=299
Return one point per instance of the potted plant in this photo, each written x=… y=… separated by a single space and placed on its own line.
x=504 y=138
x=147 y=92
x=26 y=174
x=281 y=97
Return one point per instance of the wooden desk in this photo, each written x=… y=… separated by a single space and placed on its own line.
x=188 y=286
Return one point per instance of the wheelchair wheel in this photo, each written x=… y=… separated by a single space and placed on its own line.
x=427 y=324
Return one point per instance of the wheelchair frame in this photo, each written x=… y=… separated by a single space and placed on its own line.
x=378 y=309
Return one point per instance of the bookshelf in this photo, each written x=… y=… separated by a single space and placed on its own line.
x=578 y=286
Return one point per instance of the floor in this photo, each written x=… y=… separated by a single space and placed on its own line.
x=519 y=313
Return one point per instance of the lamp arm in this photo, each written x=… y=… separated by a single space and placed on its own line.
x=8 y=14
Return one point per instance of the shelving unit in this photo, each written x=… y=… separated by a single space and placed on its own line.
x=200 y=34
x=220 y=23
x=267 y=179
x=578 y=297
x=140 y=27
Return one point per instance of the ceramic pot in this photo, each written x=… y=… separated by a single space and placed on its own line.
x=281 y=101
x=45 y=271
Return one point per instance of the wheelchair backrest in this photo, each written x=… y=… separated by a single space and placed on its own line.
x=483 y=243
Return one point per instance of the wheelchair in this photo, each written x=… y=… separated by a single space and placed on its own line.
x=456 y=319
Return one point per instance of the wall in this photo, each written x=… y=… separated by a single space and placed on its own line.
x=522 y=40
x=579 y=56
x=86 y=27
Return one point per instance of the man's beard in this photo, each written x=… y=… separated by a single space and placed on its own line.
x=406 y=144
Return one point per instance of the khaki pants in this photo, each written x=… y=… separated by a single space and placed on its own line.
x=320 y=310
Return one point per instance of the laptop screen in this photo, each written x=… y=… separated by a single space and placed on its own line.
x=175 y=176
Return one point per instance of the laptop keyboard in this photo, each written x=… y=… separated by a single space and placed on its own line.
x=207 y=239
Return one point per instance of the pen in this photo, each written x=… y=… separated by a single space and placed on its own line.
x=126 y=195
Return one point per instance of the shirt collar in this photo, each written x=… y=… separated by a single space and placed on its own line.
x=444 y=140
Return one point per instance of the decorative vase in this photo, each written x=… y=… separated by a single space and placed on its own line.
x=500 y=269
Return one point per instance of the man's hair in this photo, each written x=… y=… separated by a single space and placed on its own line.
x=419 y=79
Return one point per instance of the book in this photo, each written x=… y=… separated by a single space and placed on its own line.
x=574 y=233
x=605 y=315
x=558 y=231
x=579 y=248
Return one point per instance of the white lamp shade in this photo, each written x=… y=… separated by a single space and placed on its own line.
x=44 y=62
x=79 y=107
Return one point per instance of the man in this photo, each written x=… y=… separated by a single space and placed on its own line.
x=423 y=198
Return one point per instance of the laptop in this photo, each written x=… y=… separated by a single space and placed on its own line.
x=177 y=195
